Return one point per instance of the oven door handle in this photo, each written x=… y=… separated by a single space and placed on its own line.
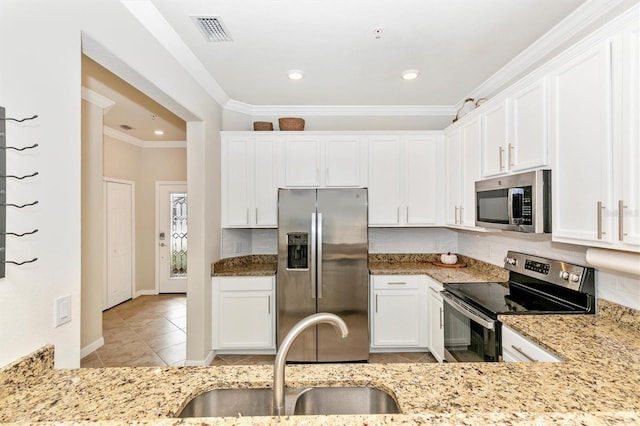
x=469 y=312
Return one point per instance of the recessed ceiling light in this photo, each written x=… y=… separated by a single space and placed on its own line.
x=158 y=132
x=295 y=74
x=410 y=74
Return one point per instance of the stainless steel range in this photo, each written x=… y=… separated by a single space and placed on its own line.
x=536 y=286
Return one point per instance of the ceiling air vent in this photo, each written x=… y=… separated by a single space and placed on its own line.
x=212 y=28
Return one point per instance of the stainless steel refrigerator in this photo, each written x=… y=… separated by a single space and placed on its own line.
x=322 y=267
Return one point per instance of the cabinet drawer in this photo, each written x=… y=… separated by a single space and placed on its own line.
x=516 y=347
x=246 y=283
x=395 y=282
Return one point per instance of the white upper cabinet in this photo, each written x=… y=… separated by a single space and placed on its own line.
x=529 y=131
x=595 y=134
x=327 y=161
x=628 y=222
x=405 y=178
x=302 y=161
x=582 y=137
x=249 y=181
x=463 y=170
x=514 y=131
x=495 y=140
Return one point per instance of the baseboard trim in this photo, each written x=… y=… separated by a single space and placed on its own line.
x=91 y=347
x=145 y=293
x=201 y=363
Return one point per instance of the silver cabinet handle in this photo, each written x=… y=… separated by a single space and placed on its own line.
x=500 y=151
x=398 y=215
x=521 y=352
x=313 y=255
x=434 y=291
x=376 y=303
x=257 y=221
x=407 y=218
x=319 y=273
x=509 y=156
x=600 y=231
x=247 y=218
x=396 y=283
x=456 y=215
x=621 y=208
x=269 y=305
x=441 y=318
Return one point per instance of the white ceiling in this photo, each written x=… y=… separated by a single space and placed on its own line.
x=462 y=48
x=455 y=44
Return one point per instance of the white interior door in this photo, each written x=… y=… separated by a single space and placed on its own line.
x=171 y=237
x=119 y=239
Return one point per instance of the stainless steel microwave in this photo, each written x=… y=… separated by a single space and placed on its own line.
x=520 y=202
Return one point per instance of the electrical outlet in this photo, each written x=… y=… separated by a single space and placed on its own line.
x=63 y=310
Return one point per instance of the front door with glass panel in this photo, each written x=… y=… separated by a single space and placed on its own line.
x=171 y=237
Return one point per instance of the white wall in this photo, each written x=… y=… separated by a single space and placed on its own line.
x=40 y=74
x=242 y=122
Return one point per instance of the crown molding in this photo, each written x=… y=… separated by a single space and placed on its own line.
x=340 y=110
x=97 y=99
x=123 y=137
x=577 y=21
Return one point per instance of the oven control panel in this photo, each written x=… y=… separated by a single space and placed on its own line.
x=557 y=272
x=539 y=267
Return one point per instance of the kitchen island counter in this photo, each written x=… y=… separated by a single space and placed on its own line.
x=597 y=384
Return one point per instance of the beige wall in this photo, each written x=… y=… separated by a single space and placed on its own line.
x=144 y=166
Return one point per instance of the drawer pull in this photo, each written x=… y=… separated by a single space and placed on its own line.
x=396 y=283
x=521 y=352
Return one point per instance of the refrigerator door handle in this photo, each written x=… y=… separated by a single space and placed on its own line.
x=319 y=259
x=313 y=255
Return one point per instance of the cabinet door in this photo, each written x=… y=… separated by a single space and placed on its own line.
x=245 y=320
x=494 y=138
x=421 y=181
x=470 y=172
x=527 y=148
x=453 y=174
x=243 y=313
x=436 y=325
x=342 y=161
x=629 y=200
x=396 y=318
x=265 y=183
x=384 y=181
x=236 y=186
x=581 y=133
x=302 y=161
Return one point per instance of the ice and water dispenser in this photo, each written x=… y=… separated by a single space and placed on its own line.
x=298 y=250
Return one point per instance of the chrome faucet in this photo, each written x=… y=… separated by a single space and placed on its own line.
x=281 y=356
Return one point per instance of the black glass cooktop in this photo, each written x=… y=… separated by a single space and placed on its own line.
x=511 y=298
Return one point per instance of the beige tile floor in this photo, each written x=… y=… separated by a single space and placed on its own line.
x=151 y=331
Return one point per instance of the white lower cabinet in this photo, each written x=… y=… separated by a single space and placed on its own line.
x=436 y=320
x=398 y=312
x=517 y=348
x=243 y=314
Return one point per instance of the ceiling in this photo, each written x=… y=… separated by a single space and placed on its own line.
x=455 y=44
x=130 y=107
x=352 y=53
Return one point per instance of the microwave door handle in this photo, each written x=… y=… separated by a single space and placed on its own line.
x=510 y=206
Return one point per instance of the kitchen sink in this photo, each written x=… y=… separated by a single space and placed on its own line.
x=352 y=400
x=298 y=401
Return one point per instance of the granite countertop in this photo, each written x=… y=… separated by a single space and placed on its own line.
x=598 y=383
x=379 y=264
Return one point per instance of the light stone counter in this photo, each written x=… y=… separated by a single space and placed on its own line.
x=598 y=384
